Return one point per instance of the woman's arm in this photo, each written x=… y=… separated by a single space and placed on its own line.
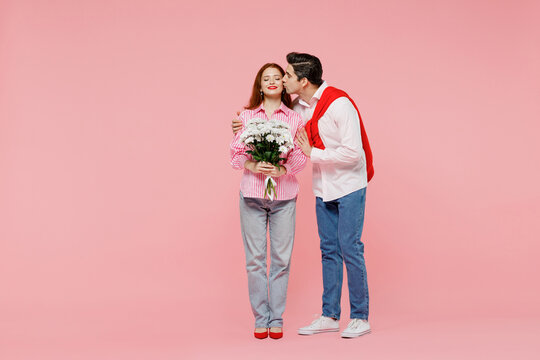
x=237 y=148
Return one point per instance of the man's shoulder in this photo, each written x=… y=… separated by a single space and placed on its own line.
x=341 y=103
x=341 y=108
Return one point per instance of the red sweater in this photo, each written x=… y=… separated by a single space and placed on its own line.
x=312 y=127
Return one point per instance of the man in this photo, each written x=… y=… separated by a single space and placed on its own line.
x=337 y=145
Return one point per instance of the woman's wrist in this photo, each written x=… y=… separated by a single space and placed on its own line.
x=250 y=165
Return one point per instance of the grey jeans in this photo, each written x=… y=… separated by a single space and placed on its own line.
x=267 y=294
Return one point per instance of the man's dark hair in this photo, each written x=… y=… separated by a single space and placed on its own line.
x=306 y=66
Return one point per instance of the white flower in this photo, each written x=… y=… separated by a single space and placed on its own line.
x=256 y=121
x=270 y=138
x=283 y=149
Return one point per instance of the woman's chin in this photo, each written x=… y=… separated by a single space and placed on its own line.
x=273 y=95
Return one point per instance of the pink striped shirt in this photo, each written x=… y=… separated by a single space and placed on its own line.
x=252 y=185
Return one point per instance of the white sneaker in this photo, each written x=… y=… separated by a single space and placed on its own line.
x=356 y=327
x=320 y=325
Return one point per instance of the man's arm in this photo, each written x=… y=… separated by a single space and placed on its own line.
x=347 y=122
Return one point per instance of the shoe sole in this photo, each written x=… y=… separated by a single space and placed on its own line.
x=313 y=332
x=351 y=335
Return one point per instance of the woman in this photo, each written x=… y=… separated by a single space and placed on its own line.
x=268 y=294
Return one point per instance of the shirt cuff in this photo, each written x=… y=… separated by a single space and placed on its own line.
x=242 y=160
x=288 y=168
x=316 y=155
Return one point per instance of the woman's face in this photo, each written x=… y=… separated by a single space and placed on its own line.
x=271 y=82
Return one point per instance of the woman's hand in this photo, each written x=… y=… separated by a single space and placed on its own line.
x=274 y=171
x=260 y=167
x=255 y=167
x=303 y=142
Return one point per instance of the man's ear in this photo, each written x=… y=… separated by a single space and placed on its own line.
x=304 y=82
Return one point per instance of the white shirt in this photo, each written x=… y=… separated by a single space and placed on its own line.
x=340 y=168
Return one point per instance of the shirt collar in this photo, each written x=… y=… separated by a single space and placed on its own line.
x=316 y=97
x=283 y=108
x=259 y=109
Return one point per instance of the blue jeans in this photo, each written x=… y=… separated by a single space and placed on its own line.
x=267 y=292
x=340 y=225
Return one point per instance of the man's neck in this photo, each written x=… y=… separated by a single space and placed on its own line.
x=308 y=92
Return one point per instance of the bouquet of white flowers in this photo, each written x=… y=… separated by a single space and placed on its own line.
x=267 y=141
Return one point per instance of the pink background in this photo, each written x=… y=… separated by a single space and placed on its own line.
x=119 y=230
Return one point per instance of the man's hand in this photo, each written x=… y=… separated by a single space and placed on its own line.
x=236 y=124
x=303 y=142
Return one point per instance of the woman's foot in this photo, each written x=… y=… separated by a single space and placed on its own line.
x=276 y=332
x=261 y=333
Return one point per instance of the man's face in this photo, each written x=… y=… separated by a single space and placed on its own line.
x=290 y=81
